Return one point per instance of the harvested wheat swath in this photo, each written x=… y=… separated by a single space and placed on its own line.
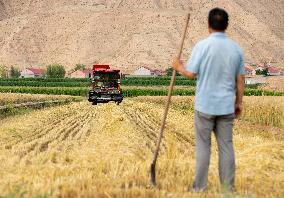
x=79 y=150
x=15 y=98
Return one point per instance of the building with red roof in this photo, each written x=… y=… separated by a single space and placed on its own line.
x=32 y=72
x=249 y=71
x=86 y=73
x=273 y=71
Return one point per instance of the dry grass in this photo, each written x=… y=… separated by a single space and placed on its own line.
x=16 y=98
x=263 y=110
x=267 y=111
x=157 y=87
x=105 y=151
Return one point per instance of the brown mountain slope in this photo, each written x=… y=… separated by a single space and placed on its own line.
x=127 y=34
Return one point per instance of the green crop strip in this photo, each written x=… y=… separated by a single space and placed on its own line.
x=68 y=82
x=83 y=91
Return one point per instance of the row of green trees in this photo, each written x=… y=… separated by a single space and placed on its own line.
x=13 y=72
x=52 y=71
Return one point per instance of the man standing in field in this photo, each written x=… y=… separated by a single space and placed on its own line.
x=218 y=64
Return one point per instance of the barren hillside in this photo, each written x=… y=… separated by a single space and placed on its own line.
x=126 y=34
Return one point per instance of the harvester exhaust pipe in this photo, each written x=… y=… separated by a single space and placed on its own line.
x=155 y=157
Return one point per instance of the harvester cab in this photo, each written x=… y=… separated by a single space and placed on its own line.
x=105 y=85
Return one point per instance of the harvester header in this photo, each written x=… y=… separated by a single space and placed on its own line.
x=100 y=67
x=104 y=68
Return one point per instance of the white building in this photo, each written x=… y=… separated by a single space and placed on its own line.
x=146 y=71
x=255 y=80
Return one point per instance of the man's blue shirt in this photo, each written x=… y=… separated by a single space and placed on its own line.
x=217 y=60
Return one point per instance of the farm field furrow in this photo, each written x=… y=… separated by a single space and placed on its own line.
x=80 y=150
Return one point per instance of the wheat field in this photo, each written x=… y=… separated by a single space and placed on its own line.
x=79 y=150
x=17 y=98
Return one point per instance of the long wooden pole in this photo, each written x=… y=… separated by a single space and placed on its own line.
x=155 y=157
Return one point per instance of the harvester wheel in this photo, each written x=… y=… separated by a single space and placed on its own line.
x=94 y=103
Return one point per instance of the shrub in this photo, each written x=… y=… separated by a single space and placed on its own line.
x=3 y=71
x=55 y=71
x=14 y=72
x=79 y=66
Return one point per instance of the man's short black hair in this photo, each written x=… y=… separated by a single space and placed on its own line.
x=218 y=19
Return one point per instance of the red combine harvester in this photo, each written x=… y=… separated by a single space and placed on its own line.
x=105 y=85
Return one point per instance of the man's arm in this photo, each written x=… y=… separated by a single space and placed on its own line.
x=239 y=94
x=179 y=67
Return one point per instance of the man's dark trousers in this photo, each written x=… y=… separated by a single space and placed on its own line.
x=222 y=126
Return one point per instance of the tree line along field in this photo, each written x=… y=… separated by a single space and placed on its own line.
x=78 y=150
